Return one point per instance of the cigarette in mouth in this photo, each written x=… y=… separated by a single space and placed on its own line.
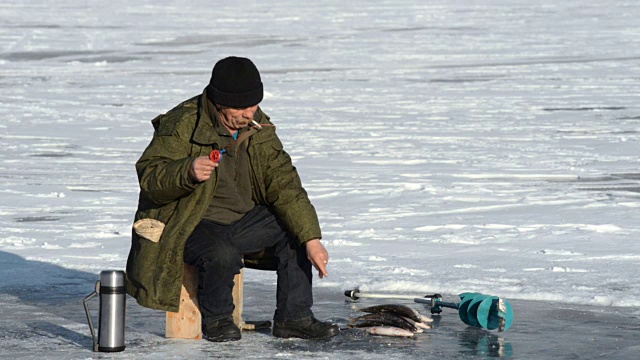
x=256 y=124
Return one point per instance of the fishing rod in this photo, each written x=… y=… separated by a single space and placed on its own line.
x=474 y=309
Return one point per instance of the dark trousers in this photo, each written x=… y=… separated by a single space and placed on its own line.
x=217 y=251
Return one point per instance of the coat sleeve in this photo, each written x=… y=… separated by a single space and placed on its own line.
x=163 y=168
x=286 y=195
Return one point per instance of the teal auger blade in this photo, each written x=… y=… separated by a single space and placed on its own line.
x=472 y=311
x=464 y=306
x=468 y=294
x=495 y=313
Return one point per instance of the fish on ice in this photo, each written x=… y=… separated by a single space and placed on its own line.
x=388 y=331
x=382 y=319
x=418 y=324
x=395 y=309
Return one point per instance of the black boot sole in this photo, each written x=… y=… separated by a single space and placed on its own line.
x=292 y=333
x=223 y=338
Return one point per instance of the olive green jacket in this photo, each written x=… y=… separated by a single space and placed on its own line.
x=171 y=204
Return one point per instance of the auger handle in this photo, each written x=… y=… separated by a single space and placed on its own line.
x=436 y=303
x=355 y=294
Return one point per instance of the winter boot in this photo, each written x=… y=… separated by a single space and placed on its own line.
x=305 y=328
x=221 y=330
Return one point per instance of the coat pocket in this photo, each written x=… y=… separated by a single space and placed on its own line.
x=150 y=229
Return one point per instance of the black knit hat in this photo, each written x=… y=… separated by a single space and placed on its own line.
x=235 y=82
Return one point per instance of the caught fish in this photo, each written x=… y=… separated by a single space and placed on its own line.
x=425 y=319
x=395 y=309
x=382 y=319
x=388 y=331
x=417 y=324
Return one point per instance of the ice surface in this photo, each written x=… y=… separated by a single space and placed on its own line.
x=448 y=146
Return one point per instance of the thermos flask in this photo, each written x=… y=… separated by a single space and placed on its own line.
x=112 y=311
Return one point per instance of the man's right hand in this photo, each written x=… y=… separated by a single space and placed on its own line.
x=202 y=168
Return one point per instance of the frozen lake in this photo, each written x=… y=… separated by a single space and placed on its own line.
x=448 y=146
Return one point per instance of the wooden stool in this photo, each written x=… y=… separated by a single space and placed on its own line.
x=187 y=322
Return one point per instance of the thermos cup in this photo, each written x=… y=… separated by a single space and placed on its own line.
x=112 y=293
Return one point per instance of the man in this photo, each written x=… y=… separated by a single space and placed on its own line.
x=211 y=214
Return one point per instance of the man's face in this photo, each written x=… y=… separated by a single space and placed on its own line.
x=235 y=119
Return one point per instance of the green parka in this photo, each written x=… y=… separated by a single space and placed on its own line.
x=171 y=204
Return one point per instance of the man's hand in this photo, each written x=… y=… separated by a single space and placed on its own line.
x=319 y=257
x=201 y=169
